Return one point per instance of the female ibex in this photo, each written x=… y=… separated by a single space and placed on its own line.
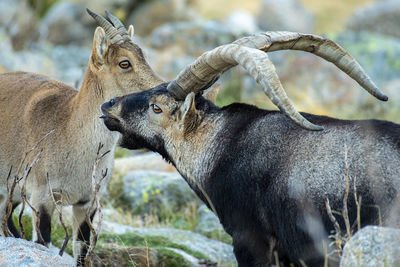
x=267 y=179
x=33 y=105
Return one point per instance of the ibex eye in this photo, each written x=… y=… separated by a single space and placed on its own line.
x=124 y=64
x=156 y=108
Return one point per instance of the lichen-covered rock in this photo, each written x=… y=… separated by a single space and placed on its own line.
x=216 y=251
x=284 y=15
x=20 y=252
x=378 y=17
x=372 y=246
x=159 y=192
x=377 y=54
x=193 y=244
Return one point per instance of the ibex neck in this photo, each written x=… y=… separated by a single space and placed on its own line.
x=90 y=95
x=194 y=157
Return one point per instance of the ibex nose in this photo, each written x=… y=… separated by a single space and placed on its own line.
x=107 y=106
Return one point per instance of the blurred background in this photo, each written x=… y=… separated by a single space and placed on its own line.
x=149 y=204
x=54 y=37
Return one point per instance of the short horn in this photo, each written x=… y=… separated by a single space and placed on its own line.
x=111 y=32
x=204 y=71
x=117 y=24
x=322 y=47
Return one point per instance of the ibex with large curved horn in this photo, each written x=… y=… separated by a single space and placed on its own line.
x=267 y=179
x=33 y=105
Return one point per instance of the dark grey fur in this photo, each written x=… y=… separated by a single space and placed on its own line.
x=267 y=178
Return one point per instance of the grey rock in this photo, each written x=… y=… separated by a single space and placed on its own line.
x=115 y=228
x=378 y=17
x=192 y=37
x=207 y=221
x=64 y=63
x=194 y=262
x=180 y=43
x=284 y=15
x=145 y=161
x=215 y=250
x=372 y=246
x=64 y=24
x=160 y=12
x=242 y=22
x=23 y=253
x=159 y=192
x=377 y=54
x=19 y=21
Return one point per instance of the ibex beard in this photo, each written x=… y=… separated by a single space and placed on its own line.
x=266 y=178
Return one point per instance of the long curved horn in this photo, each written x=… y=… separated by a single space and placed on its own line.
x=111 y=32
x=322 y=47
x=208 y=66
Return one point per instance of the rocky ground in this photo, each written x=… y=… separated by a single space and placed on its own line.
x=151 y=217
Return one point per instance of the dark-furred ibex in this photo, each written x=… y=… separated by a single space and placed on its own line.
x=33 y=105
x=267 y=179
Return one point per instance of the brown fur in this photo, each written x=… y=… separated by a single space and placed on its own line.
x=31 y=105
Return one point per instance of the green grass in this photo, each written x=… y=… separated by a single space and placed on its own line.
x=154 y=242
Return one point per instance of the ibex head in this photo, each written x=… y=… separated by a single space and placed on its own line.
x=147 y=118
x=117 y=63
x=176 y=100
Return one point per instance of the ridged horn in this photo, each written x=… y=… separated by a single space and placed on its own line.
x=117 y=24
x=203 y=71
x=322 y=47
x=111 y=32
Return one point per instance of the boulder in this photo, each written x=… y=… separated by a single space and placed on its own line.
x=216 y=251
x=210 y=226
x=157 y=192
x=284 y=15
x=19 y=21
x=177 y=44
x=167 y=238
x=241 y=22
x=381 y=17
x=145 y=161
x=20 y=252
x=372 y=246
x=64 y=23
x=160 y=12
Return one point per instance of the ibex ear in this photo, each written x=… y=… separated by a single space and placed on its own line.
x=190 y=116
x=212 y=93
x=100 y=46
x=131 y=31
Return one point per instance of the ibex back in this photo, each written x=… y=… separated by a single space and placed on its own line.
x=33 y=105
x=268 y=180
